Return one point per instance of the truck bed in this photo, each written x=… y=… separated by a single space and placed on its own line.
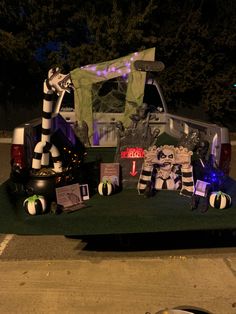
x=125 y=212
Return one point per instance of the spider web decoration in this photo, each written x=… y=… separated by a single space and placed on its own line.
x=109 y=96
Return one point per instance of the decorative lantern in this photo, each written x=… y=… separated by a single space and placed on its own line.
x=219 y=200
x=35 y=205
x=105 y=188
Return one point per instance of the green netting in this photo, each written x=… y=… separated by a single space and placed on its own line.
x=83 y=78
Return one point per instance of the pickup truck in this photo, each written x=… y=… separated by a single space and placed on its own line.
x=102 y=120
x=103 y=99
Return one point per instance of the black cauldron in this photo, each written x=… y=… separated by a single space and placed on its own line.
x=44 y=185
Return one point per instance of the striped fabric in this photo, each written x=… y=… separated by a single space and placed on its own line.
x=173 y=182
x=187 y=181
x=44 y=149
x=150 y=173
x=47 y=114
x=158 y=174
x=145 y=178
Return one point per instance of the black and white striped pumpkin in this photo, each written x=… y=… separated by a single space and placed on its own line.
x=35 y=205
x=105 y=188
x=219 y=200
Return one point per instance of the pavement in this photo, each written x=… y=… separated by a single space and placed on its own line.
x=69 y=279
x=139 y=285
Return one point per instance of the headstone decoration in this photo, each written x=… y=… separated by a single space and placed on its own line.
x=131 y=142
x=166 y=167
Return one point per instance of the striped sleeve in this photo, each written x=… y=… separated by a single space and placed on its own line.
x=187 y=181
x=145 y=178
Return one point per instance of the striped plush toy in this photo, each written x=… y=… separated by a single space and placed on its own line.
x=58 y=83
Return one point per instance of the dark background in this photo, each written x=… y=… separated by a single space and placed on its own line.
x=196 y=40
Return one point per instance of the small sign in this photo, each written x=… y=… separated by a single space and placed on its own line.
x=132 y=152
x=84 y=191
x=69 y=197
x=201 y=188
x=110 y=172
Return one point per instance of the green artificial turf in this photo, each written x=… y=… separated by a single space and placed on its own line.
x=121 y=213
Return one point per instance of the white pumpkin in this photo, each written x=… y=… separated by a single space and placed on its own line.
x=219 y=200
x=35 y=205
x=105 y=188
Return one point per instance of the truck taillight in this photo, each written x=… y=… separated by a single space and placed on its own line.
x=225 y=158
x=17 y=155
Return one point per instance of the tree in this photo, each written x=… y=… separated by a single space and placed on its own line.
x=18 y=67
x=195 y=40
x=198 y=49
x=111 y=30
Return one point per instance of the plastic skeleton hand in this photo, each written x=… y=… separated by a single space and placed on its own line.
x=150 y=156
x=59 y=82
x=183 y=156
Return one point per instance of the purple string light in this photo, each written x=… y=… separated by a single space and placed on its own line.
x=113 y=69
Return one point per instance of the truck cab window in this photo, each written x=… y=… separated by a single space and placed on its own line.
x=68 y=101
x=152 y=98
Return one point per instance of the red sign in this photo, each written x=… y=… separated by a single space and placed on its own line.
x=132 y=152
x=133 y=172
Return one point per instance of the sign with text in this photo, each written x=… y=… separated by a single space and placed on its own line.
x=132 y=152
x=110 y=172
x=130 y=159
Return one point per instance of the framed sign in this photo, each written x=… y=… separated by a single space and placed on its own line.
x=69 y=197
x=110 y=172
